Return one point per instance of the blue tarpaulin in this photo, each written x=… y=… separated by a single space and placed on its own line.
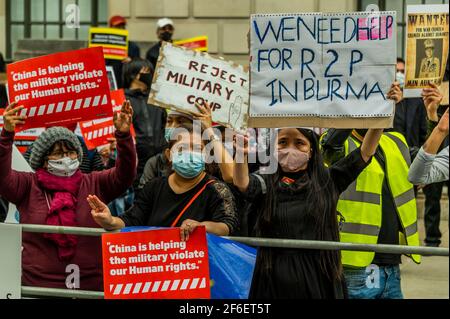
x=231 y=266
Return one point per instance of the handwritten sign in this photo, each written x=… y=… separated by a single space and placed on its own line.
x=155 y=264
x=60 y=89
x=426 y=47
x=322 y=69
x=197 y=43
x=185 y=77
x=113 y=41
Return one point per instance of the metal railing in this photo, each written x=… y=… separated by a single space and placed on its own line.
x=259 y=242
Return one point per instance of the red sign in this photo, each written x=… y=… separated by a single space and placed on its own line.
x=156 y=264
x=23 y=139
x=61 y=89
x=97 y=132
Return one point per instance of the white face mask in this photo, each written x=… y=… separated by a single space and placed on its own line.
x=63 y=167
x=400 y=78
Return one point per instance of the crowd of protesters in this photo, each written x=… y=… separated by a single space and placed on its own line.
x=345 y=185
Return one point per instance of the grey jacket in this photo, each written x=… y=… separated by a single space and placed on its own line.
x=429 y=168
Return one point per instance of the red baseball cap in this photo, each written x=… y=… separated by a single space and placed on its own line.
x=117 y=20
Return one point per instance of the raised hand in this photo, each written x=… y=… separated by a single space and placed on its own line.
x=432 y=98
x=100 y=212
x=123 y=120
x=205 y=115
x=11 y=117
x=395 y=93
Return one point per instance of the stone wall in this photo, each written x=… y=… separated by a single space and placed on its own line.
x=225 y=22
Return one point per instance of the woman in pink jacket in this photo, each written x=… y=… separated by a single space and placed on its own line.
x=55 y=194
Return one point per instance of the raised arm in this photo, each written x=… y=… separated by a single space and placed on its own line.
x=428 y=168
x=13 y=184
x=115 y=181
x=372 y=137
x=241 y=177
x=222 y=157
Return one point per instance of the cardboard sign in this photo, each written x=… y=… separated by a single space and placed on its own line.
x=97 y=132
x=114 y=42
x=185 y=77
x=322 y=69
x=426 y=47
x=197 y=44
x=60 y=89
x=155 y=264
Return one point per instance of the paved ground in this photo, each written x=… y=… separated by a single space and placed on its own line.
x=429 y=280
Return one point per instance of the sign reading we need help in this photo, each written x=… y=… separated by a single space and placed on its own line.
x=185 y=77
x=61 y=88
x=156 y=264
x=322 y=69
x=113 y=41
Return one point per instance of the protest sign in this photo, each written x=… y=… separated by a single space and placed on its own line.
x=426 y=47
x=97 y=132
x=322 y=69
x=197 y=43
x=23 y=139
x=185 y=77
x=61 y=88
x=113 y=41
x=156 y=264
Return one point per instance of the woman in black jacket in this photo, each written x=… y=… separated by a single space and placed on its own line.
x=149 y=121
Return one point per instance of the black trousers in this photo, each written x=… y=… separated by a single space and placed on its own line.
x=432 y=218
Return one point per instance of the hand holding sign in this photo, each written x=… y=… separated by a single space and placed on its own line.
x=187 y=227
x=123 y=120
x=11 y=117
x=395 y=93
x=205 y=115
x=432 y=98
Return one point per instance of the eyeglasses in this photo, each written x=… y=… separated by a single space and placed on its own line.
x=61 y=154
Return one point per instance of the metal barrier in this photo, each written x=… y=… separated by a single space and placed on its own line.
x=259 y=242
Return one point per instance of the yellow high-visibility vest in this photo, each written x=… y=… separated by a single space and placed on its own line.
x=360 y=204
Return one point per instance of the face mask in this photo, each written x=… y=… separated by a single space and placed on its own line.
x=400 y=78
x=168 y=131
x=291 y=159
x=63 y=167
x=188 y=164
x=166 y=36
x=146 y=78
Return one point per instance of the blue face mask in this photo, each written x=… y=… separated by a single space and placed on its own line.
x=168 y=131
x=188 y=164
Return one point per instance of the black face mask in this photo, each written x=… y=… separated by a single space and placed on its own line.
x=146 y=78
x=166 y=36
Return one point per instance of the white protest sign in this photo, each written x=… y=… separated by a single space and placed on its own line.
x=184 y=77
x=322 y=69
x=10 y=261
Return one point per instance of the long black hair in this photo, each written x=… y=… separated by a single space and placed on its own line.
x=322 y=201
